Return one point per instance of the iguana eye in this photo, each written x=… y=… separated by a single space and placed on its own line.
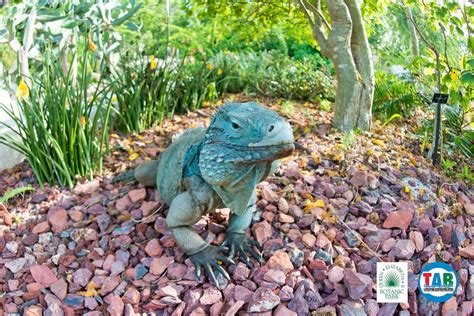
x=235 y=125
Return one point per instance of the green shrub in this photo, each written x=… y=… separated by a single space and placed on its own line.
x=147 y=92
x=62 y=128
x=272 y=74
x=394 y=96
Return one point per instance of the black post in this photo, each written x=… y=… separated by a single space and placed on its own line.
x=434 y=157
x=438 y=98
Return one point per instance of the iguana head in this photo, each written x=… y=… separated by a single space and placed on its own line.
x=250 y=133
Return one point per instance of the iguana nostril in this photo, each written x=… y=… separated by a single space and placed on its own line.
x=270 y=128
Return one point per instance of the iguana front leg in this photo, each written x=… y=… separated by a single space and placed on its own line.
x=185 y=210
x=236 y=239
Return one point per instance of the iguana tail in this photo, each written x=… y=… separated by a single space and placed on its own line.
x=127 y=176
x=144 y=174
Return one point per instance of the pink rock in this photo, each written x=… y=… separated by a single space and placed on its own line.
x=108 y=262
x=284 y=218
x=398 y=219
x=110 y=283
x=234 y=308
x=282 y=310
x=283 y=205
x=176 y=271
x=281 y=261
x=159 y=265
x=153 y=248
x=262 y=231
x=358 y=285
x=210 y=296
x=87 y=187
x=116 y=306
x=82 y=276
x=336 y=274
x=322 y=241
x=450 y=307
x=131 y=296
x=33 y=311
x=57 y=218
x=263 y=300
x=417 y=239
x=308 y=240
x=169 y=290
x=76 y=215
x=13 y=285
x=403 y=249
x=148 y=207
x=40 y=228
x=388 y=244
x=90 y=303
x=10 y=308
x=216 y=309
x=359 y=178
x=275 y=276
x=43 y=275
x=59 y=288
x=467 y=252
x=269 y=195
x=123 y=204
x=241 y=272
x=117 y=268
x=242 y=294
x=137 y=195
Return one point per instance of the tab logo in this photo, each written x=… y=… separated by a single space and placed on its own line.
x=438 y=282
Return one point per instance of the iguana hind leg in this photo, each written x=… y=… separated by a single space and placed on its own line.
x=146 y=173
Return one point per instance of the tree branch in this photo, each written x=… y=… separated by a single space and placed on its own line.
x=317 y=11
x=316 y=27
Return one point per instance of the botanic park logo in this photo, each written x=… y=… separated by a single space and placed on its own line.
x=438 y=282
x=392 y=282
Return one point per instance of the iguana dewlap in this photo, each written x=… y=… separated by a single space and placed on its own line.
x=217 y=167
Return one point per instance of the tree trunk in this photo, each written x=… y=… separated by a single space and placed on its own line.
x=347 y=46
x=414 y=43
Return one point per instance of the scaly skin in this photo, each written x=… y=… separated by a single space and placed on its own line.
x=217 y=167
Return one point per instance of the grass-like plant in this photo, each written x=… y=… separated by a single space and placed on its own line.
x=149 y=89
x=61 y=126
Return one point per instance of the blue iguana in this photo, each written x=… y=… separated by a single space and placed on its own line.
x=205 y=169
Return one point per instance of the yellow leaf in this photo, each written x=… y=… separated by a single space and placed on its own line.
x=133 y=156
x=83 y=120
x=307 y=129
x=92 y=46
x=377 y=142
x=407 y=189
x=115 y=136
x=319 y=203
x=218 y=102
x=210 y=66
x=429 y=71
x=90 y=290
x=454 y=75
x=219 y=72
x=22 y=92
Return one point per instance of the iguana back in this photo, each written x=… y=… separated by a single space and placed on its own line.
x=170 y=165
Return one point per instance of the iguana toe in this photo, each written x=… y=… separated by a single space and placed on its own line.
x=209 y=259
x=238 y=242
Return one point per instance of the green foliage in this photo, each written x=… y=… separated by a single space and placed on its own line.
x=12 y=193
x=275 y=75
x=62 y=128
x=394 y=96
x=150 y=89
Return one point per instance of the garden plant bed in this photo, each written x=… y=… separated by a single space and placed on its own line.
x=327 y=216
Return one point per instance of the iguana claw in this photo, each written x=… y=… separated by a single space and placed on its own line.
x=243 y=245
x=209 y=258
